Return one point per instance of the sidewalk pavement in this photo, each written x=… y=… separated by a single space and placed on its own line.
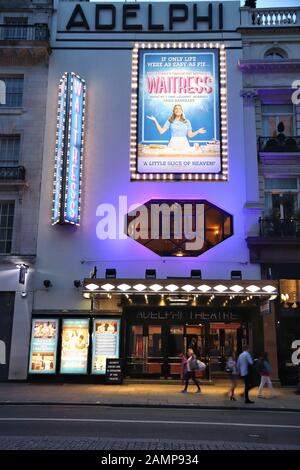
x=134 y=394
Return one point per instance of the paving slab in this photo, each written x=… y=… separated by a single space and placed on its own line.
x=215 y=396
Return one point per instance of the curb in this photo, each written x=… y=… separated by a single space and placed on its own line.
x=140 y=405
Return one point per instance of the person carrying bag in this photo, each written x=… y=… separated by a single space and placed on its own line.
x=192 y=365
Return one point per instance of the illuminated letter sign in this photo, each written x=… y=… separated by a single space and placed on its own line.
x=69 y=147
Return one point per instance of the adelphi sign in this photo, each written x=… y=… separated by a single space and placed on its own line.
x=139 y=17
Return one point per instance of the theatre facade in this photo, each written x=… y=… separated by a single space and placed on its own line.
x=152 y=192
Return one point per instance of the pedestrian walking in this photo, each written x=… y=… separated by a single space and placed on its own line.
x=265 y=371
x=244 y=365
x=231 y=368
x=191 y=366
x=183 y=367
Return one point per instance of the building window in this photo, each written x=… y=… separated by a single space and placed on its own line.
x=9 y=150
x=11 y=92
x=275 y=54
x=6 y=226
x=15 y=27
x=282 y=197
x=273 y=114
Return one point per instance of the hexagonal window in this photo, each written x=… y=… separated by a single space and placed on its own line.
x=179 y=228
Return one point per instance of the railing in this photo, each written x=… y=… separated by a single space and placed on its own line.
x=274 y=17
x=279 y=228
x=12 y=173
x=37 y=32
x=280 y=143
x=270 y=17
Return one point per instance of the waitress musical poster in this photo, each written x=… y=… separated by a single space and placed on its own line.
x=179 y=111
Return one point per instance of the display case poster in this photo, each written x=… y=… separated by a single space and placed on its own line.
x=44 y=334
x=179 y=111
x=106 y=339
x=74 y=347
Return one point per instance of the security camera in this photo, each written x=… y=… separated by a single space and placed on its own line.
x=77 y=283
x=47 y=283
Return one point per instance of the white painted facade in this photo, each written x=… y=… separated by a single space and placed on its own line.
x=103 y=60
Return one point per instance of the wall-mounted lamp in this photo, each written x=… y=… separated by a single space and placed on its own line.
x=236 y=275
x=22 y=273
x=24 y=294
x=273 y=297
x=47 y=283
x=150 y=274
x=196 y=273
x=110 y=273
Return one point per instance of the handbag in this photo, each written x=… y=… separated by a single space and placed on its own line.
x=201 y=365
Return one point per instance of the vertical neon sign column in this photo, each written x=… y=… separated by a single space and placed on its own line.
x=69 y=150
x=59 y=150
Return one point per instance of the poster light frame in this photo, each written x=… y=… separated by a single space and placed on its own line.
x=45 y=320
x=94 y=343
x=63 y=370
x=135 y=175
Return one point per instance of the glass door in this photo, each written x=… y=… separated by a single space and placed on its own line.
x=179 y=339
x=215 y=347
x=144 y=350
x=223 y=339
x=137 y=354
x=154 y=350
x=176 y=345
x=195 y=339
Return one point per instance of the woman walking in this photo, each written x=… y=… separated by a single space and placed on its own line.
x=190 y=366
x=265 y=371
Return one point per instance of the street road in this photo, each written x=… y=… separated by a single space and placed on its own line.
x=85 y=427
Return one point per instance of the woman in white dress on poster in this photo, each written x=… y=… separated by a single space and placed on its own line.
x=180 y=128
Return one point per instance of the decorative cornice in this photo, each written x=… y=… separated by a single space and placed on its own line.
x=268 y=66
x=249 y=96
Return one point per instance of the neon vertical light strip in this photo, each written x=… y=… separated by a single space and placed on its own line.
x=69 y=150
x=59 y=149
x=74 y=150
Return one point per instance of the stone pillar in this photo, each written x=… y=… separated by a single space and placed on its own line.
x=270 y=340
x=250 y=145
x=253 y=207
x=20 y=338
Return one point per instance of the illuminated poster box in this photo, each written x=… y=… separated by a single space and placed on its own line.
x=74 y=347
x=69 y=150
x=178 y=110
x=106 y=339
x=44 y=334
